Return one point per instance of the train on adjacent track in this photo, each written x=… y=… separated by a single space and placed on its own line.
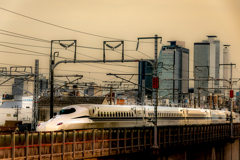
x=84 y=116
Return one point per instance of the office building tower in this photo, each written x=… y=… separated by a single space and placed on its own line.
x=173 y=64
x=145 y=71
x=218 y=60
x=204 y=66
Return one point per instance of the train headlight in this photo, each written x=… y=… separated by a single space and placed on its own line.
x=59 y=123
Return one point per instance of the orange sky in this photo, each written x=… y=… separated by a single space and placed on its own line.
x=184 y=20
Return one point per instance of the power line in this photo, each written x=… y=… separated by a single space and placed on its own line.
x=23 y=53
x=33 y=38
x=64 y=27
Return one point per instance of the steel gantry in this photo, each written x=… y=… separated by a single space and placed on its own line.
x=53 y=65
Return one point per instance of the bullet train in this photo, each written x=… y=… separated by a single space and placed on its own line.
x=111 y=116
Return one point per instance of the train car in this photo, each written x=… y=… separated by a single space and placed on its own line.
x=84 y=116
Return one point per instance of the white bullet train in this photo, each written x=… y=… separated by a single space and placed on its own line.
x=110 y=116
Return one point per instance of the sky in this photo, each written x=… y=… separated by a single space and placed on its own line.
x=91 y=22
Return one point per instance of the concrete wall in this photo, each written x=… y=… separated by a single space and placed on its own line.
x=207 y=151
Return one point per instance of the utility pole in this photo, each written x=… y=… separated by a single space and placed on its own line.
x=174 y=76
x=155 y=84
x=52 y=66
x=231 y=97
x=35 y=96
x=143 y=92
x=111 y=95
x=199 y=94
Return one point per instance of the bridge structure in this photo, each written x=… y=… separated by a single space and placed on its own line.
x=184 y=142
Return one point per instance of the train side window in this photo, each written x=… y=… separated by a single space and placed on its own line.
x=107 y=114
x=132 y=114
x=101 y=114
x=127 y=114
x=104 y=114
x=98 y=113
x=110 y=114
x=113 y=114
x=124 y=115
x=118 y=114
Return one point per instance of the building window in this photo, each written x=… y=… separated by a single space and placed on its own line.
x=9 y=115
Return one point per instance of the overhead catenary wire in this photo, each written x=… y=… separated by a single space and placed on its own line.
x=66 y=28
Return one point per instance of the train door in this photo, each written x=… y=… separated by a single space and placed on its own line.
x=135 y=115
x=185 y=116
x=143 y=115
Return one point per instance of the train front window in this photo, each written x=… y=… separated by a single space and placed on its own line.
x=66 y=111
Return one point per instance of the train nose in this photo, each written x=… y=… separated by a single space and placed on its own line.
x=50 y=126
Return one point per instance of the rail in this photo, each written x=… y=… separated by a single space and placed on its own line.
x=87 y=143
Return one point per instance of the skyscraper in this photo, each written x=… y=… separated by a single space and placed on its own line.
x=145 y=70
x=204 y=65
x=173 y=64
x=218 y=60
x=208 y=54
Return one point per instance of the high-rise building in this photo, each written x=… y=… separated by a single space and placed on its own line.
x=204 y=65
x=208 y=54
x=145 y=70
x=173 y=64
x=218 y=60
x=226 y=60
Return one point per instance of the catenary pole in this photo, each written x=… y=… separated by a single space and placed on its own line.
x=35 y=96
x=155 y=96
x=231 y=98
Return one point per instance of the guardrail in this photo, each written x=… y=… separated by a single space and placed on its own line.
x=87 y=143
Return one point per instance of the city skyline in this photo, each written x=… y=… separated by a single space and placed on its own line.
x=186 y=21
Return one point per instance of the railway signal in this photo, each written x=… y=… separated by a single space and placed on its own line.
x=231 y=93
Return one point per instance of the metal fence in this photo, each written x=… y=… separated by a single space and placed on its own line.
x=87 y=143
